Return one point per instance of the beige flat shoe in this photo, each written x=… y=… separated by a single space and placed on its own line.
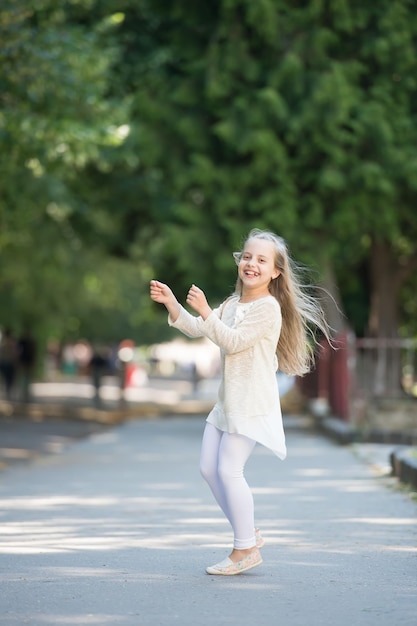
x=228 y=568
x=260 y=542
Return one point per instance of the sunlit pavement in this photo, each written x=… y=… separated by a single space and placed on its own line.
x=118 y=528
x=161 y=390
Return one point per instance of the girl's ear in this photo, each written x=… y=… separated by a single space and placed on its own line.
x=275 y=274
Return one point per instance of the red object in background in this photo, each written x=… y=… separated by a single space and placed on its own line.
x=127 y=367
x=331 y=379
x=339 y=386
x=127 y=343
x=129 y=375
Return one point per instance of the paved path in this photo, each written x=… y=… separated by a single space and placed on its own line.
x=118 y=528
x=23 y=439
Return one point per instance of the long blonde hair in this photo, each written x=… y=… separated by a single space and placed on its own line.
x=299 y=309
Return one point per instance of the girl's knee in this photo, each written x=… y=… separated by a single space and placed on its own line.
x=228 y=472
x=208 y=472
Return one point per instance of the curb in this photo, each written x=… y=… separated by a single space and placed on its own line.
x=336 y=429
x=345 y=433
x=403 y=459
x=38 y=411
x=404 y=465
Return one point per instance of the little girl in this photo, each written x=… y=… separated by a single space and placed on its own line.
x=265 y=323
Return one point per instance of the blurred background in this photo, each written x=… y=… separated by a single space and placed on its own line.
x=143 y=139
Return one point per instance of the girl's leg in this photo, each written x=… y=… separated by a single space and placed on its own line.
x=223 y=458
x=234 y=452
x=209 y=463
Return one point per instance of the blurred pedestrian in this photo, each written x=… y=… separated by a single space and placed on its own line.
x=26 y=346
x=97 y=366
x=195 y=376
x=266 y=319
x=8 y=361
x=125 y=366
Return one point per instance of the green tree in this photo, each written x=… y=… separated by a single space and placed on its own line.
x=300 y=118
x=160 y=133
x=55 y=120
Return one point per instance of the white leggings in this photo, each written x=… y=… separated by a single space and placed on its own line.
x=223 y=459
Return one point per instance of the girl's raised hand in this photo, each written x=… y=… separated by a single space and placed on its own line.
x=196 y=299
x=160 y=292
x=164 y=295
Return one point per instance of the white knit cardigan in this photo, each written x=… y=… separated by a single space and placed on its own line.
x=247 y=335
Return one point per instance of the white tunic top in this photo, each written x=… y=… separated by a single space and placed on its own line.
x=247 y=335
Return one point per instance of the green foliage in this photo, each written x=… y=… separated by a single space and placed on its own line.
x=297 y=118
x=146 y=139
x=54 y=120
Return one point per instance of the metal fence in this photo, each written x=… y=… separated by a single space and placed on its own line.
x=361 y=374
x=385 y=368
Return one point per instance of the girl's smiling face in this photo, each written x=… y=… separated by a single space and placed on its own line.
x=256 y=267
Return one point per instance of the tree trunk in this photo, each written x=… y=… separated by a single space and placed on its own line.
x=386 y=279
x=332 y=304
x=332 y=375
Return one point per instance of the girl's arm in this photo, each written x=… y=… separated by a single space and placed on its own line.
x=164 y=295
x=178 y=316
x=196 y=298
x=262 y=319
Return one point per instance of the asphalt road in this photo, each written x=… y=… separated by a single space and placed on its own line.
x=117 y=528
x=23 y=439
